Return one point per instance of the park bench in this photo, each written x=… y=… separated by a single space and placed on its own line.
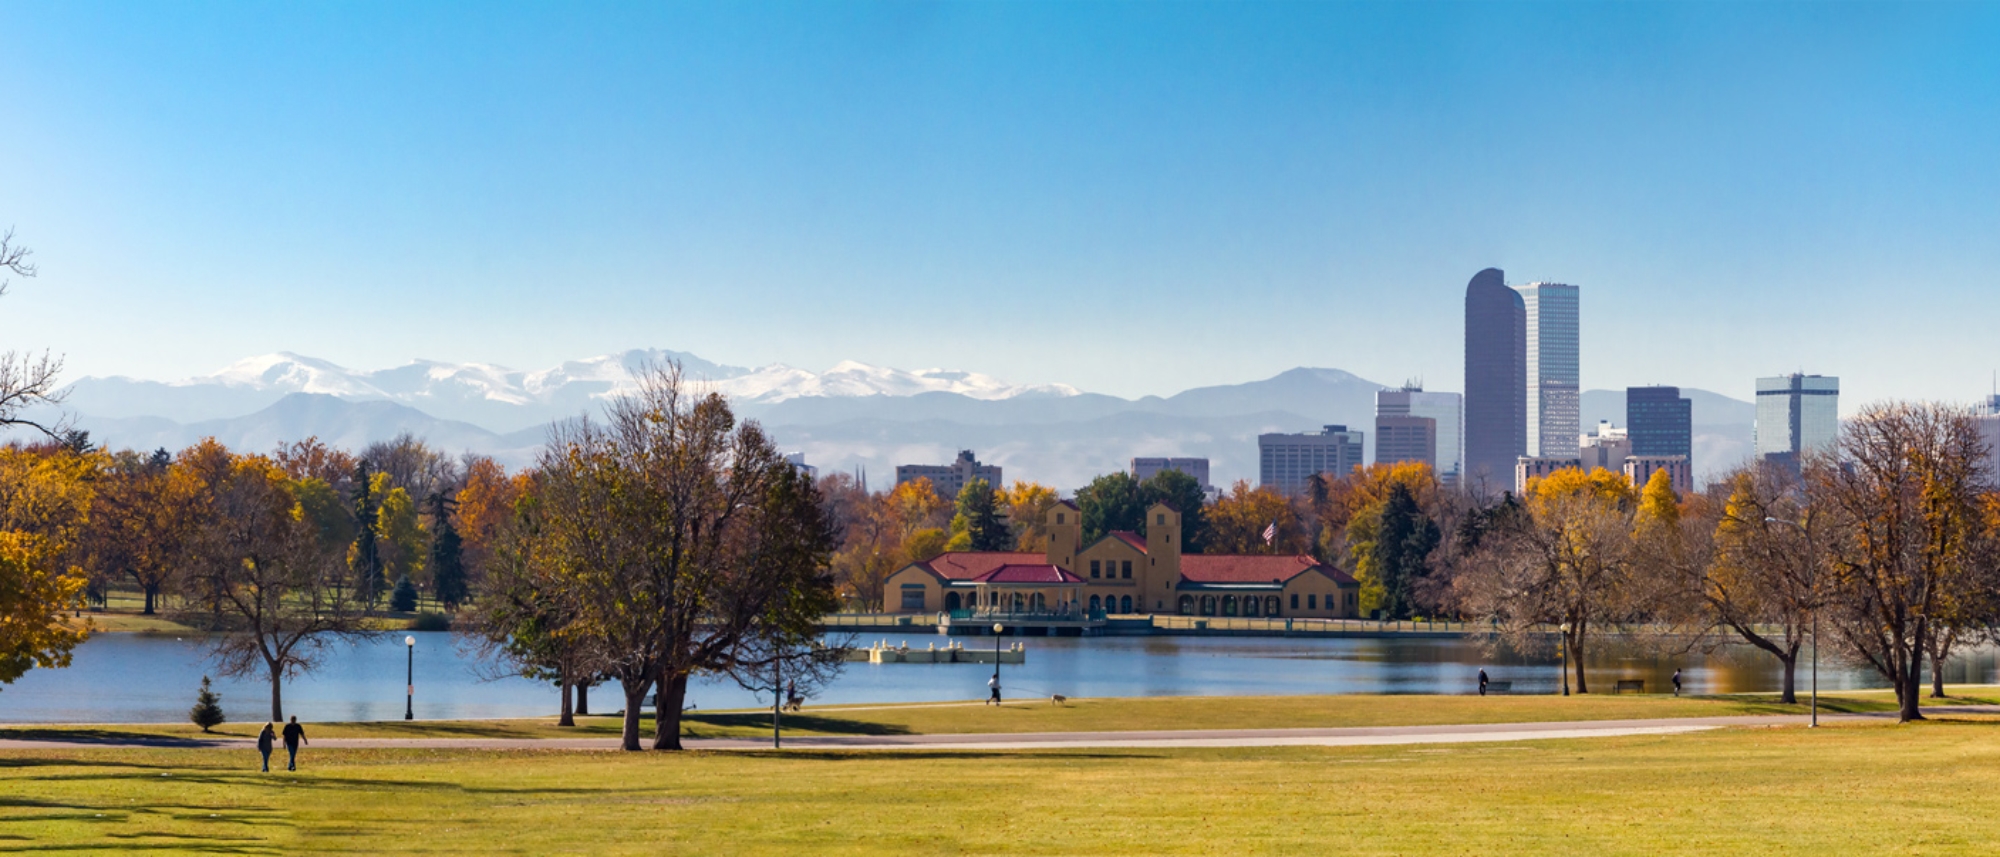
x=1499 y=686
x=1632 y=684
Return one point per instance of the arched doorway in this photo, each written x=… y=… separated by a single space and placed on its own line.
x=1038 y=603
x=1096 y=604
x=1228 y=605
x=1208 y=605
x=1250 y=606
x=1125 y=604
x=951 y=601
x=1186 y=605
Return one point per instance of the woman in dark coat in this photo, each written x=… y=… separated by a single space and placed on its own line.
x=266 y=740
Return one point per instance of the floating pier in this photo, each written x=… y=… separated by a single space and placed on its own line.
x=951 y=653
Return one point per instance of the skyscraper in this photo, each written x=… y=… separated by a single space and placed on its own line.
x=1286 y=461
x=1659 y=421
x=1554 y=397
x=1442 y=408
x=1496 y=380
x=1797 y=414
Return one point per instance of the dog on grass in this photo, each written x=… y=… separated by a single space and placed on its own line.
x=1058 y=699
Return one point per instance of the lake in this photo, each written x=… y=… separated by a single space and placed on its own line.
x=132 y=678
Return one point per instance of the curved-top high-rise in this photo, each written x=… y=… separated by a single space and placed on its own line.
x=1496 y=382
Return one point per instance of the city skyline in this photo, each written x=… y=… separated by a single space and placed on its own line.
x=529 y=185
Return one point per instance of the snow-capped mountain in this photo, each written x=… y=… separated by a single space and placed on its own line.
x=505 y=399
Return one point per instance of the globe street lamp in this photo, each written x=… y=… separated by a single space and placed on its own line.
x=1813 y=565
x=998 y=630
x=1562 y=645
x=410 y=683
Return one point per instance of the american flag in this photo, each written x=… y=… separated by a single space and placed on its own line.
x=1270 y=532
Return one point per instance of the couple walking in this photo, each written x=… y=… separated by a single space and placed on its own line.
x=294 y=734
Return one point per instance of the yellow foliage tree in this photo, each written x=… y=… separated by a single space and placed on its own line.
x=1028 y=505
x=1240 y=518
x=45 y=501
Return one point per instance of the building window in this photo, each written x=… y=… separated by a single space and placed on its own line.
x=1125 y=604
x=1126 y=569
x=1093 y=569
x=1295 y=601
x=1059 y=517
x=1159 y=520
x=913 y=596
x=1312 y=602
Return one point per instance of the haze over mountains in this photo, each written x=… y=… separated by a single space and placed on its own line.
x=851 y=416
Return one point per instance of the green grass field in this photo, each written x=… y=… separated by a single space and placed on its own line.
x=1920 y=789
x=1089 y=715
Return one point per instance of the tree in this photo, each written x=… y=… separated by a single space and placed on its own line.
x=486 y=508
x=44 y=507
x=140 y=526
x=1903 y=490
x=1391 y=544
x=26 y=381
x=1028 y=505
x=978 y=526
x=365 y=559
x=207 y=711
x=399 y=535
x=269 y=588
x=403 y=599
x=1108 y=504
x=524 y=615
x=681 y=536
x=1241 y=517
x=1563 y=561
x=447 y=557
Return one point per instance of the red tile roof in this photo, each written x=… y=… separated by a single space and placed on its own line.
x=1028 y=574
x=1251 y=568
x=966 y=565
x=1130 y=538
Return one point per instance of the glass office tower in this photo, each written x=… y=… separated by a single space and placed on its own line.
x=1797 y=414
x=1554 y=396
x=1659 y=421
x=1496 y=422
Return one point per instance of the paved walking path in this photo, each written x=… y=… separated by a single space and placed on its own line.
x=1319 y=737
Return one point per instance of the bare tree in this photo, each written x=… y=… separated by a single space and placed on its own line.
x=27 y=381
x=1904 y=497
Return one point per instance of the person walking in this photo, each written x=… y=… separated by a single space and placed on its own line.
x=1482 y=681
x=294 y=735
x=265 y=741
x=993 y=687
x=1677 y=681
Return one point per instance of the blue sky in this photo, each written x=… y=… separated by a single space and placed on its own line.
x=1133 y=198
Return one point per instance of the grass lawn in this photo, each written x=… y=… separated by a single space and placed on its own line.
x=1878 y=788
x=1091 y=715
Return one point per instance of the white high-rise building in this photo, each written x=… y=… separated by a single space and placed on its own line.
x=1555 y=399
x=1412 y=401
x=1797 y=414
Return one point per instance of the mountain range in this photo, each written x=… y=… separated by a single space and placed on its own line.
x=852 y=417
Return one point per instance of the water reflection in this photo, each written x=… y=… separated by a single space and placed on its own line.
x=129 y=678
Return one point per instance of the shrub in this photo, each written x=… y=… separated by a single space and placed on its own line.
x=404 y=599
x=428 y=621
x=207 y=711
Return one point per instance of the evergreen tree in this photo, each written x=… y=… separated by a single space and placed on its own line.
x=404 y=599
x=207 y=711
x=988 y=529
x=1109 y=503
x=1403 y=544
x=447 y=561
x=365 y=559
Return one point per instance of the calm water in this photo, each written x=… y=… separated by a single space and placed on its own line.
x=130 y=678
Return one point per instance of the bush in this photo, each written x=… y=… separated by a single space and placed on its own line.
x=207 y=711
x=428 y=621
x=404 y=599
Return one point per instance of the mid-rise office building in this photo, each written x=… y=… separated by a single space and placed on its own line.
x=1605 y=449
x=1496 y=372
x=1406 y=438
x=1797 y=414
x=1528 y=467
x=1442 y=409
x=798 y=461
x=1286 y=461
x=1639 y=470
x=1554 y=394
x=1147 y=468
x=949 y=479
x=1660 y=421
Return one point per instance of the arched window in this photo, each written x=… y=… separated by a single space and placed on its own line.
x=951 y=601
x=1208 y=605
x=1037 y=603
x=1125 y=604
x=1228 y=605
x=1096 y=604
x=1250 y=606
x=1187 y=605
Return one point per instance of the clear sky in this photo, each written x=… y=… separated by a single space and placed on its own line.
x=1133 y=197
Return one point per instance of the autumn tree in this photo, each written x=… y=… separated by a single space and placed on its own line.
x=1391 y=543
x=141 y=524
x=1563 y=561
x=486 y=508
x=526 y=617
x=1902 y=489
x=270 y=588
x=977 y=526
x=44 y=506
x=1028 y=505
x=1241 y=517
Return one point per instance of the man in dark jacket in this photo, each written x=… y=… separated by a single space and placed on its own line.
x=1482 y=681
x=294 y=733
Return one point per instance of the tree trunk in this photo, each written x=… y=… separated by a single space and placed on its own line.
x=1907 y=687
x=667 y=715
x=1937 y=678
x=1576 y=659
x=277 y=697
x=152 y=594
x=635 y=696
x=1790 y=696
x=583 y=698
x=567 y=718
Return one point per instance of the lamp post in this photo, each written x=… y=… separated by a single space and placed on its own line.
x=1562 y=645
x=410 y=680
x=998 y=630
x=1814 y=565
